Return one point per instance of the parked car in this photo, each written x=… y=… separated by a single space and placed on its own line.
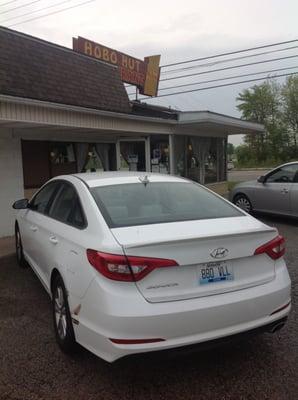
x=137 y=263
x=275 y=193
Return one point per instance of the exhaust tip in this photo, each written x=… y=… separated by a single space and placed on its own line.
x=277 y=327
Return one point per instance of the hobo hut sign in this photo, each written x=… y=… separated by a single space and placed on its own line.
x=142 y=73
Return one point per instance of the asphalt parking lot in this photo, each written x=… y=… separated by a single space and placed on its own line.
x=32 y=366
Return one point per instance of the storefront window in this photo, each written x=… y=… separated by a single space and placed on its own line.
x=179 y=152
x=211 y=162
x=132 y=155
x=159 y=154
x=93 y=162
x=62 y=153
x=202 y=159
x=62 y=159
x=95 y=157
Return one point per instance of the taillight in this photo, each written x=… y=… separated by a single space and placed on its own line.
x=275 y=248
x=125 y=268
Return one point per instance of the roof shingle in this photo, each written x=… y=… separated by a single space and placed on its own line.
x=36 y=69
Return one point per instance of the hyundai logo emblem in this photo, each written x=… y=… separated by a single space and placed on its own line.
x=221 y=252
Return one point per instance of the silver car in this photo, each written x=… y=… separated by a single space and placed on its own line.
x=275 y=193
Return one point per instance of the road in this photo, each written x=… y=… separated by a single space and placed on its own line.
x=242 y=176
x=32 y=366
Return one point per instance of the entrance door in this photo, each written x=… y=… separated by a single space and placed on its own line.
x=131 y=155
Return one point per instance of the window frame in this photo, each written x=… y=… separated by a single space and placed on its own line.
x=63 y=185
x=51 y=199
x=60 y=185
x=295 y=177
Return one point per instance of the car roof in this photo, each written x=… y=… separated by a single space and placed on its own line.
x=289 y=163
x=93 y=179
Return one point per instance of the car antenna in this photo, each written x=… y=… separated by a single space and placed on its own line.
x=144 y=180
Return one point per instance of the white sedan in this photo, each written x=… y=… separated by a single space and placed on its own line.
x=138 y=262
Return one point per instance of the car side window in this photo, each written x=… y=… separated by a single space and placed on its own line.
x=284 y=174
x=76 y=217
x=296 y=176
x=67 y=207
x=43 y=199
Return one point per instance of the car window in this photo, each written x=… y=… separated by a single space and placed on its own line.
x=76 y=217
x=284 y=174
x=43 y=199
x=159 y=202
x=67 y=207
x=296 y=176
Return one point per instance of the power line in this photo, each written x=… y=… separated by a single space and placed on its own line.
x=218 y=86
x=52 y=13
x=35 y=11
x=229 y=77
x=223 y=79
x=228 y=60
x=18 y=7
x=227 y=68
x=8 y=2
x=230 y=53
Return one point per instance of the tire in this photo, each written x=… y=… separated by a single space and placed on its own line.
x=22 y=263
x=61 y=317
x=243 y=202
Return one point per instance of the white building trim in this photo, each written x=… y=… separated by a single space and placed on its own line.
x=19 y=112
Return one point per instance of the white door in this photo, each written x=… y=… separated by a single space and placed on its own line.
x=34 y=226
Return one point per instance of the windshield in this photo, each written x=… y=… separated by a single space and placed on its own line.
x=159 y=202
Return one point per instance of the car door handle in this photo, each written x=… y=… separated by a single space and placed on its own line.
x=284 y=191
x=53 y=239
x=33 y=228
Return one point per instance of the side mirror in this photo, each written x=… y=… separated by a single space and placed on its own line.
x=20 y=204
x=262 y=179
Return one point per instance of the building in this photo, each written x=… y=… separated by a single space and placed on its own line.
x=63 y=112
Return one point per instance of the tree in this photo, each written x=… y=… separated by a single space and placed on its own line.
x=230 y=150
x=289 y=96
x=262 y=104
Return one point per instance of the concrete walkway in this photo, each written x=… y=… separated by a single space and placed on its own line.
x=7 y=246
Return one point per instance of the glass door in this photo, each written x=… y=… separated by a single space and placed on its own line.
x=131 y=155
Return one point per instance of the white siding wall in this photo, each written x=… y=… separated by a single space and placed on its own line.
x=11 y=179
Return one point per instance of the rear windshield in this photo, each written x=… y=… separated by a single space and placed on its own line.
x=159 y=202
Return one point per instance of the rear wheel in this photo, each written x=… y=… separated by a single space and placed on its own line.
x=61 y=316
x=19 y=249
x=242 y=201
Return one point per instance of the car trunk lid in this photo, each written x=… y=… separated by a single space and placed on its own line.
x=225 y=246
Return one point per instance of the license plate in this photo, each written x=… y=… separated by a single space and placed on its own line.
x=215 y=272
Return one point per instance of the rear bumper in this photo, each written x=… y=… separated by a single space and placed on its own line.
x=211 y=344
x=179 y=323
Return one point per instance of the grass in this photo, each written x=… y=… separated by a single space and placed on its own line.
x=231 y=185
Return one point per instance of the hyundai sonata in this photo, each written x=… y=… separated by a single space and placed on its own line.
x=138 y=262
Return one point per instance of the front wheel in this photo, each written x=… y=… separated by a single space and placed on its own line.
x=243 y=202
x=62 y=319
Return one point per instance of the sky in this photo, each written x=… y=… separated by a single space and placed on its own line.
x=178 y=30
